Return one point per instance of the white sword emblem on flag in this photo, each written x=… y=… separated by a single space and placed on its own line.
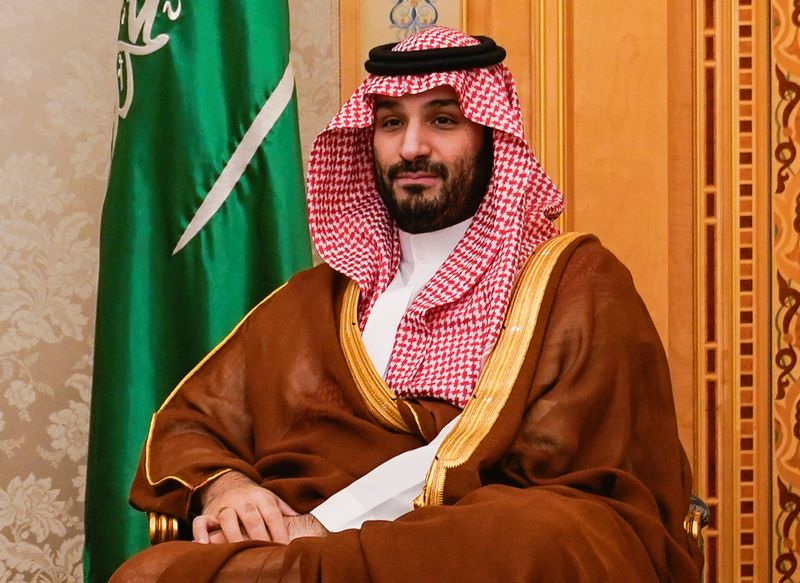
x=230 y=175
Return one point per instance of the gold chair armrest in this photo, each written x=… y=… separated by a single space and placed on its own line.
x=162 y=528
x=693 y=524
x=696 y=519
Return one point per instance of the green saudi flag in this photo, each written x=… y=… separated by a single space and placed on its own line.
x=204 y=216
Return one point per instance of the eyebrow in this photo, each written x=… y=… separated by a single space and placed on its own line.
x=393 y=104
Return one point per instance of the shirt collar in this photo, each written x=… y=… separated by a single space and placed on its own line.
x=433 y=247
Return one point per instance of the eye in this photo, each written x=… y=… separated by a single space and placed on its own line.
x=443 y=120
x=388 y=123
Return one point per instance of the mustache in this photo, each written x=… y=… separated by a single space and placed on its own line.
x=420 y=165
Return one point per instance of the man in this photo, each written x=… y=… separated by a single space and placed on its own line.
x=448 y=324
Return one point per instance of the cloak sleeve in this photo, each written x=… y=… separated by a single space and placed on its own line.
x=202 y=431
x=600 y=418
x=275 y=401
x=601 y=398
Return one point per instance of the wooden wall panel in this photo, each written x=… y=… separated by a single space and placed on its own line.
x=608 y=91
x=681 y=150
x=619 y=151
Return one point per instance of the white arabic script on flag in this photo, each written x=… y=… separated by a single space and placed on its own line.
x=139 y=28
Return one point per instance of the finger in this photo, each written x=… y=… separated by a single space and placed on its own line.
x=285 y=509
x=253 y=522
x=229 y=523
x=274 y=521
x=217 y=537
x=200 y=528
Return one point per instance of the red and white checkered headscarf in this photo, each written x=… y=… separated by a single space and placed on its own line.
x=450 y=328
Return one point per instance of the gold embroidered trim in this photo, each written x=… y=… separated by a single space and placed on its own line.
x=501 y=370
x=175 y=392
x=378 y=398
x=416 y=420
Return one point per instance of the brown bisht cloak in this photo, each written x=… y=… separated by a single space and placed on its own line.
x=580 y=478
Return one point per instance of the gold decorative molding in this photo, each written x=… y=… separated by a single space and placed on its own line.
x=550 y=100
x=350 y=66
x=536 y=36
x=363 y=24
x=731 y=275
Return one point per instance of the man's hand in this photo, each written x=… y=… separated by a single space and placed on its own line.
x=304 y=525
x=233 y=500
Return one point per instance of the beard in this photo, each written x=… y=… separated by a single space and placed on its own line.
x=462 y=188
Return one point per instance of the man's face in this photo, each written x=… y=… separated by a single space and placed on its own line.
x=432 y=164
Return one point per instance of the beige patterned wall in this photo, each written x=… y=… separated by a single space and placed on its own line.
x=57 y=99
x=56 y=108
x=315 y=57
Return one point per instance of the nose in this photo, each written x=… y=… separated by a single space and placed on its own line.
x=415 y=143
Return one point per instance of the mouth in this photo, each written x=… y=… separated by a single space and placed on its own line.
x=416 y=178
